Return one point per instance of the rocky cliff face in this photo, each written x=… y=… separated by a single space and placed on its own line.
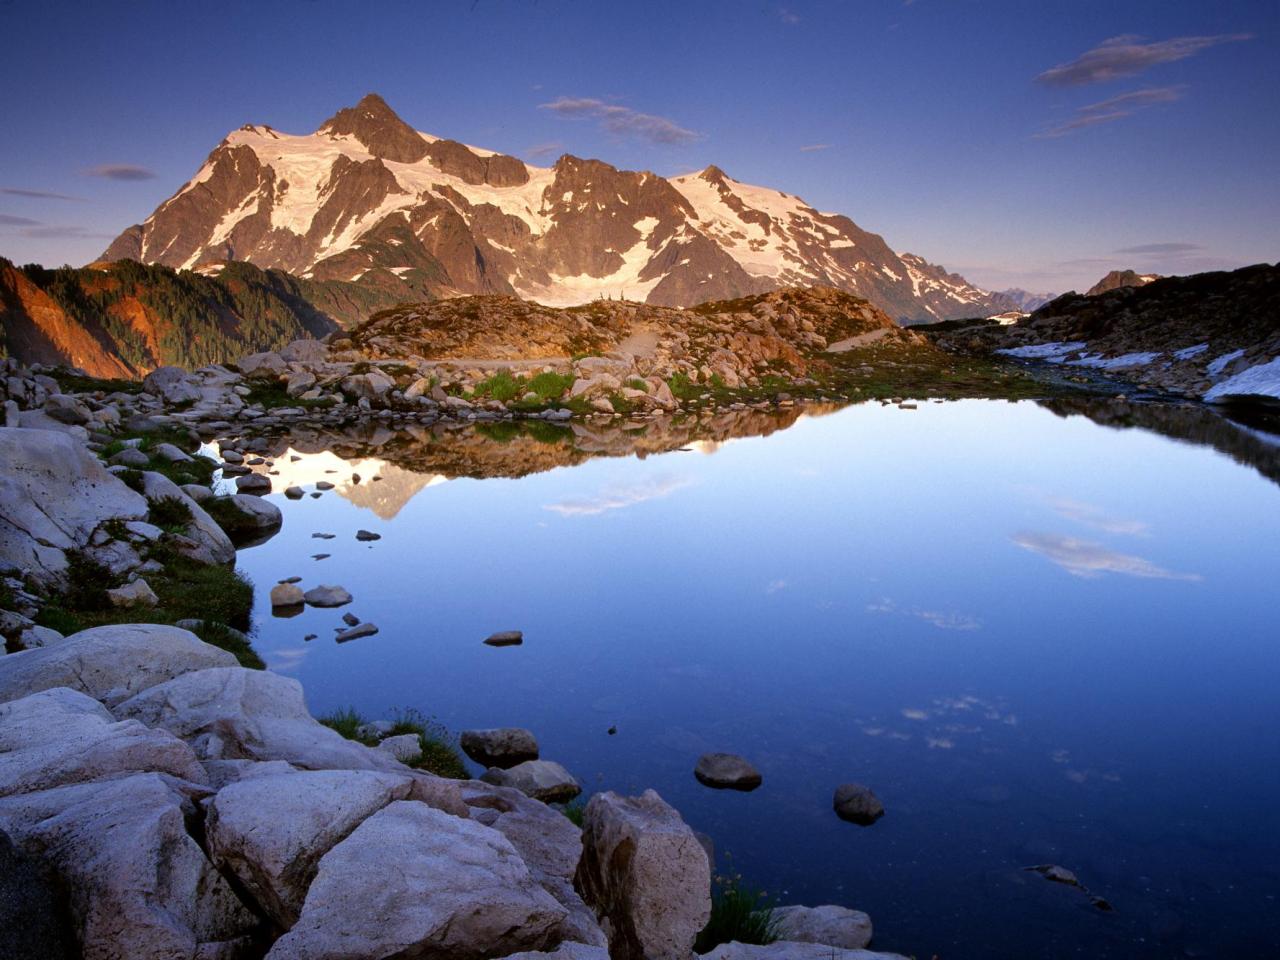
x=120 y=320
x=367 y=199
x=1117 y=279
x=1209 y=335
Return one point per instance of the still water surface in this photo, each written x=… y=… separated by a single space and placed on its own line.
x=1038 y=639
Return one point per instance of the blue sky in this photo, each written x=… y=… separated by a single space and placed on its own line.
x=1026 y=144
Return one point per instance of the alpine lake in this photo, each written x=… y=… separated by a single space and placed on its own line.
x=1041 y=632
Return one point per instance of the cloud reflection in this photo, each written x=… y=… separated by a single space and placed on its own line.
x=1093 y=516
x=618 y=497
x=1086 y=559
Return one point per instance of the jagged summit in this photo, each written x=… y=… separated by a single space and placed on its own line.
x=379 y=128
x=369 y=199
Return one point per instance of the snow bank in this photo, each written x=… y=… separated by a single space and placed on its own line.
x=1260 y=380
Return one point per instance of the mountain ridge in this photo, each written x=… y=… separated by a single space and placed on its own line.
x=370 y=200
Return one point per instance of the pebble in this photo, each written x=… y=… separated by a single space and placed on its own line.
x=350 y=619
x=857 y=804
x=726 y=771
x=364 y=630
x=365 y=536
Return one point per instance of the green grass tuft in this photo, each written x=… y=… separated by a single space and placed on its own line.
x=440 y=754
x=170 y=514
x=575 y=810
x=346 y=722
x=738 y=914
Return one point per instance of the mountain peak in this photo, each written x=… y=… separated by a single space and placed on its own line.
x=379 y=128
x=713 y=174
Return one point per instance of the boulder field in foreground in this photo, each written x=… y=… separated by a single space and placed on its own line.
x=191 y=808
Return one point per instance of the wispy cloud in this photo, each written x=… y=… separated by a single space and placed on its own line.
x=43 y=231
x=1157 y=249
x=8 y=220
x=1113 y=109
x=622 y=121
x=1096 y=517
x=544 y=151
x=36 y=194
x=123 y=172
x=788 y=16
x=814 y=147
x=1128 y=56
x=618 y=498
x=941 y=620
x=1088 y=560
x=775 y=585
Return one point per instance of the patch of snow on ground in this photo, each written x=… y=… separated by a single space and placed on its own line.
x=1043 y=351
x=1260 y=380
x=1114 y=363
x=1191 y=352
x=1217 y=366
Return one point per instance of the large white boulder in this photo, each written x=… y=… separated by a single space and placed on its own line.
x=271 y=831
x=58 y=737
x=543 y=780
x=110 y=663
x=549 y=844
x=305 y=351
x=53 y=495
x=173 y=384
x=833 y=925
x=229 y=713
x=139 y=886
x=411 y=881
x=645 y=875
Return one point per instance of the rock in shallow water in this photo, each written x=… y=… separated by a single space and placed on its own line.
x=286 y=595
x=327 y=596
x=857 y=804
x=726 y=771
x=505 y=638
x=253 y=483
x=500 y=746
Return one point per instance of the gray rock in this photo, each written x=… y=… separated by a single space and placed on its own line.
x=568 y=950
x=500 y=746
x=230 y=713
x=131 y=457
x=367 y=386
x=233 y=456
x=356 y=632
x=172 y=384
x=253 y=483
x=139 y=885
x=857 y=804
x=645 y=875
x=505 y=638
x=367 y=898
x=34 y=923
x=286 y=595
x=299 y=383
x=197 y=492
x=294 y=492
x=726 y=771
x=305 y=351
x=543 y=780
x=53 y=495
x=829 y=924
x=262 y=366
x=264 y=516
x=327 y=596
x=171 y=454
x=406 y=747
x=61 y=736
x=110 y=663
x=66 y=409
x=366 y=536
x=271 y=831
x=135 y=594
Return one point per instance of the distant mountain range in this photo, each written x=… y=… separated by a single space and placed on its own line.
x=1027 y=301
x=368 y=200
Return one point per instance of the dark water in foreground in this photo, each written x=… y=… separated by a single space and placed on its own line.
x=1037 y=638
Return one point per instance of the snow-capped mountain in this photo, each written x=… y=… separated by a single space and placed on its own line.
x=367 y=198
x=1026 y=300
